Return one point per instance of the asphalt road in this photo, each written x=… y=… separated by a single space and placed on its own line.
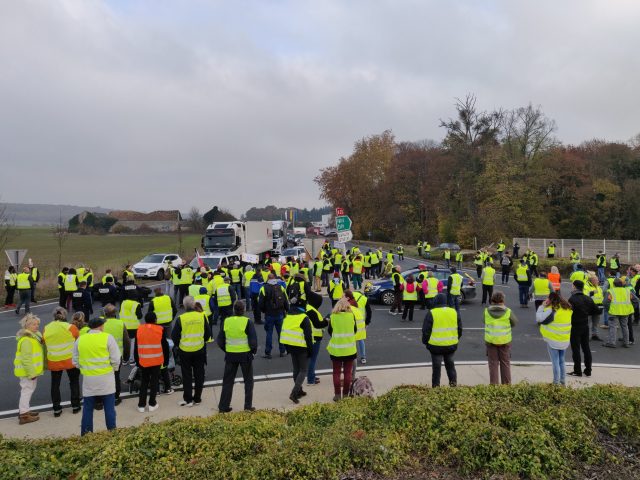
x=389 y=342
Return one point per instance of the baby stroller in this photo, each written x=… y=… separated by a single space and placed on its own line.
x=175 y=380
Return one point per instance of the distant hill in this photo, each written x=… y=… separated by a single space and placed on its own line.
x=41 y=214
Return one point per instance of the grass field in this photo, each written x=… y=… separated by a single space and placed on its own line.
x=96 y=251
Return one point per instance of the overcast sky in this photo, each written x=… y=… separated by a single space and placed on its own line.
x=170 y=104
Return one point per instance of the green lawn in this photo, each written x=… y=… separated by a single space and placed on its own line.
x=97 y=251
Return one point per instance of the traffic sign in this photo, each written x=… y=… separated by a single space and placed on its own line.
x=15 y=256
x=345 y=236
x=339 y=211
x=343 y=223
x=339 y=246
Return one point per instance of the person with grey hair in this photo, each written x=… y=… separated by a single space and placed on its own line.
x=191 y=332
x=59 y=337
x=28 y=365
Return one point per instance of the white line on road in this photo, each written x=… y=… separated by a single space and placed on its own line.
x=420 y=328
x=33 y=306
x=4 y=338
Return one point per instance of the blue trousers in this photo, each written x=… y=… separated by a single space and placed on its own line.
x=523 y=292
x=454 y=301
x=109 y=402
x=271 y=321
x=557 y=364
x=311 y=372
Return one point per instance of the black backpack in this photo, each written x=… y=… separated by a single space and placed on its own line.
x=277 y=298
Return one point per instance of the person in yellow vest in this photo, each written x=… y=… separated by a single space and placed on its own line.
x=62 y=275
x=207 y=303
x=59 y=337
x=500 y=249
x=362 y=310
x=35 y=276
x=318 y=323
x=447 y=257
x=398 y=280
x=164 y=308
x=541 y=287
x=459 y=259
x=488 y=279
x=593 y=289
x=130 y=314
x=374 y=260
x=224 y=297
x=317 y=274
x=427 y=249
x=238 y=340
x=97 y=356
x=419 y=246
x=236 y=279
x=342 y=347
x=28 y=365
x=127 y=274
x=478 y=261
x=389 y=258
x=297 y=337
x=618 y=302
x=116 y=328
x=551 y=250
x=400 y=252
x=70 y=283
x=190 y=333
x=357 y=269
x=24 y=283
x=614 y=264
x=441 y=331
x=554 y=318
x=151 y=354
x=410 y=289
x=583 y=307
x=10 y=280
x=336 y=289
x=574 y=257
x=454 y=289
x=498 y=322
x=246 y=286
x=433 y=287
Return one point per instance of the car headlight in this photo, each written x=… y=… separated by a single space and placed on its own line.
x=372 y=289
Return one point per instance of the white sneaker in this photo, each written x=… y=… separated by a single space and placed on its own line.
x=182 y=403
x=363 y=361
x=169 y=392
x=154 y=407
x=141 y=409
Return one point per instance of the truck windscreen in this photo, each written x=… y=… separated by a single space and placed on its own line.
x=220 y=238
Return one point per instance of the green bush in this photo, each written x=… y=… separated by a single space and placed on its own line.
x=521 y=431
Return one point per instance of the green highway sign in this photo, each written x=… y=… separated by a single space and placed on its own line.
x=343 y=223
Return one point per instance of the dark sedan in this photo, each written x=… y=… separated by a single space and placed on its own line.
x=381 y=291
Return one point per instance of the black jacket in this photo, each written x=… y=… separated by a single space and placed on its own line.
x=427 y=326
x=583 y=307
x=82 y=302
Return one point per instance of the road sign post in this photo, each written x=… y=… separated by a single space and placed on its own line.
x=15 y=256
x=343 y=223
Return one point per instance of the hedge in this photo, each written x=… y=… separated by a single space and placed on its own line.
x=521 y=431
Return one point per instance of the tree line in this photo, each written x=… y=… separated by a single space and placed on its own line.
x=495 y=174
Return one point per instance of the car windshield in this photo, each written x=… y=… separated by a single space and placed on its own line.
x=219 y=238
x=212 y=262
x=155 y=258
x=291 y=252
x=277 y=233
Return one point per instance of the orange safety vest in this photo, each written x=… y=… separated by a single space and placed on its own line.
x=149 y=344
x=554 y=278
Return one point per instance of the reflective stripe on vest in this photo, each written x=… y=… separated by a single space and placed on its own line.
x=497 y=331
x=432 y=286
x=23 y=281
x=541 y=287
x=203 y=300
x=236 y=338
x=70 y=283
x=620 y=302
x=162 y=309
x=488 y=276
x=223 y=296
x=149 y=345
x=292 y=333
x=128 y=314
x=558 y=332
x=343 y=337
x=93 y=354
x=445 y=327
x=59 y=341
x=522 y=274
x=37 y=357
x=115 y=328
x=456 y=284
x=192 y=334
x=337 y=290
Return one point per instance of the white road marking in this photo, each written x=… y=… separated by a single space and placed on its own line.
x=4 y=338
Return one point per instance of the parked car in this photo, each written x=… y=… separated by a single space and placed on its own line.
x=381 y=291
x=295 y=252
x=454 y=247
x=152 y=266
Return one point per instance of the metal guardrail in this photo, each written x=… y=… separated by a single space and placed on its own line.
x=629 y=250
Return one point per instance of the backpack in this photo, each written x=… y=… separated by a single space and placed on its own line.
x=361 y=387
x=277 y=299
x=506 y=261
x=411 y=287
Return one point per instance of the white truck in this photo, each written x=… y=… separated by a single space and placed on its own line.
x=227 y=242
x=280 y=230
x=299 y=234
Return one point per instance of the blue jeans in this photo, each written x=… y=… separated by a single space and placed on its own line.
x=523 y=293
x=247 y=296
x=574 y=266
x=311 y=372
x=109 y=402
x=454 y=301
x=362 y=350
x=237 y=287
x=271 y=321
x=557 y=364
x=601 y=276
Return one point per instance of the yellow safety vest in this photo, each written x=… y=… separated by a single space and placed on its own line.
x=360 y=314
x=203 y=300
x=337 y=289
x=620 y=302
x=317 y=332
x=37 y=357
x=497 y=331
x=558 y=332
x=541 y=287
x=115 y=328
x=23 y=281
x=445 y=327
x=598 y=295
x=162 y=308
x=246 y=279
x=357 y=267
x=292 y=333
x=223 y=296
x=235 y=275
x=488 y=276
x=432 y=286
x=456 y=284
x=93 y=354
x=343 y=337
x=522 y=273
x=59 y=341
x=409 y=296
x=237 y=340
x=192 y=331
x=128 y=314
x=70 y=283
